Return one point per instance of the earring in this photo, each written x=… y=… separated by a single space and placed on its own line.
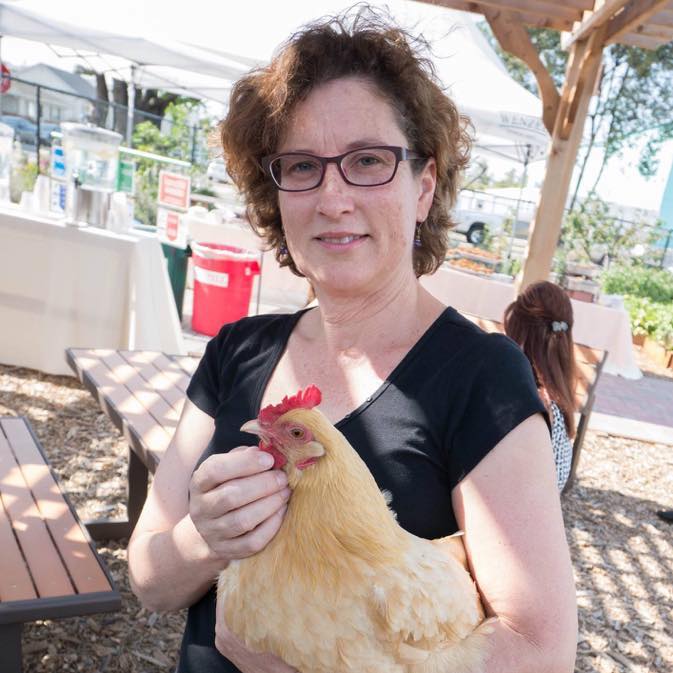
x=417 y=239
x=282 y=249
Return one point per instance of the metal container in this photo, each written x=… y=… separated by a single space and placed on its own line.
x=91 y=206
x=92 y=159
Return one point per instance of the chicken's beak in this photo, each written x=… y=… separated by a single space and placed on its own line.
x=253 y=427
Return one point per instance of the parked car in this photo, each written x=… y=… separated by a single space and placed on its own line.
x=217 y=171
x=24 y=130
x=45 y=132
x=480 y=213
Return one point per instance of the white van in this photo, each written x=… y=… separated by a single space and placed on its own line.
x=478 y=213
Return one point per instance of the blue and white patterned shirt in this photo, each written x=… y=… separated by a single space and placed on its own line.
x=561 y=444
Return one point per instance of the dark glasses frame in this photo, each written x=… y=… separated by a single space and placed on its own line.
x=401 y=154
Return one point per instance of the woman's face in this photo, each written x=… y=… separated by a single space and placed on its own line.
x=350 y=240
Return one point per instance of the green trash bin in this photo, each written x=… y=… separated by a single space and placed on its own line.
x=176 y=259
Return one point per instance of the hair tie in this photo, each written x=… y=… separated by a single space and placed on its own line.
x=559 y=326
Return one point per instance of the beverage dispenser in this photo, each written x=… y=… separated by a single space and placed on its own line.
x=91 y=158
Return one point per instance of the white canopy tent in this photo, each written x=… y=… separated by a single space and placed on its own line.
x=19 y=22
x=506 y=116
x=156 y=62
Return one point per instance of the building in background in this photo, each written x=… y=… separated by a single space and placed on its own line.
x=69 y=103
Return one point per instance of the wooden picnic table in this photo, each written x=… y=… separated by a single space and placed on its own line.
x=142 y=392
x=48 y=566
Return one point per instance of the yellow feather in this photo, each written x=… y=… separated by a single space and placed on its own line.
x=342 y=588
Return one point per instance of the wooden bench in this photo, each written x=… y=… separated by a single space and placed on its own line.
x=590 y=363
x=48 y=565
x=142 y=392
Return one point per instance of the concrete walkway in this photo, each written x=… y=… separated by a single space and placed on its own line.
x=640 y=409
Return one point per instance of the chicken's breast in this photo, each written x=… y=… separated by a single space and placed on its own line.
x=415 y=617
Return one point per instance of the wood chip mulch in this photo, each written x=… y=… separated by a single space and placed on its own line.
x=622 y=553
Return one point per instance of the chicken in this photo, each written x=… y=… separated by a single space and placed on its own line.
x=342 y=587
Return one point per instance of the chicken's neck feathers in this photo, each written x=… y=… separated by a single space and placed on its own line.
x=337 y=518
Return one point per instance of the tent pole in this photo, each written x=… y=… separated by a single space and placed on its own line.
x=524 y=178
x=130 y=109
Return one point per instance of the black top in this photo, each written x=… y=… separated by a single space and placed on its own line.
x=452 y=398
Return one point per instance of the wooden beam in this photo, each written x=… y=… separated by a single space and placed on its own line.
x=634 y=14
x=642 y=41
x=664 y=33
x=665 y=17
x=514 y=38
x=533 y=20
x=556 y=9
x=583 y=67
x=593 y=20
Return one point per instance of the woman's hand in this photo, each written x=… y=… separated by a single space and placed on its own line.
x=237 y=502
x=229 y=646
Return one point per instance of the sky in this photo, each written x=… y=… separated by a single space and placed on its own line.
x=255 y=28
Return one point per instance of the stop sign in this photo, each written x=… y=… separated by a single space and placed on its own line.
x=6 y=81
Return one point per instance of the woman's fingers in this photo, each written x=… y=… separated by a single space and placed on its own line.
x=245 y=519
x=237 y=493
x=222 y=467
x=255 y=540
x=237 y=502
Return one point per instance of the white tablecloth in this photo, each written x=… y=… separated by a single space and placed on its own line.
x=596 y=326
x=64 y=287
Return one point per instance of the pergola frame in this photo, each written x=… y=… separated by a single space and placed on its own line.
x=589 y=25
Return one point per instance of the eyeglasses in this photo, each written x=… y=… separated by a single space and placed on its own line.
x=363 y=167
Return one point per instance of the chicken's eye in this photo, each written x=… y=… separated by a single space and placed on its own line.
x=297 y=433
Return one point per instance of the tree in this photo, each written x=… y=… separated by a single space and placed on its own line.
x=151 y=101
x=593 y=234
x=174 y=139
x=634 y=97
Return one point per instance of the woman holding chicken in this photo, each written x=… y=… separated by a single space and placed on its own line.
x=348 y=154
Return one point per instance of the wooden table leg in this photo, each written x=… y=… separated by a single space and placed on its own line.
x=107 y=529
x=10 y=647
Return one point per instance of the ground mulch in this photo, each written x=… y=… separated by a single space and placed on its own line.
x=622 y=553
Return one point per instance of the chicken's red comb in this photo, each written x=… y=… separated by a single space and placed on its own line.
x=306 y=399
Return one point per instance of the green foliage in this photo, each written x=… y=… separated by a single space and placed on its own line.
x=510 y=266
x=648 y=297
x=478 y=178
x=22 y=178
x=176 y=143
x=634 y=95
x=591 y=232
x=639 y=281
x=652 y=319
x=548 y=44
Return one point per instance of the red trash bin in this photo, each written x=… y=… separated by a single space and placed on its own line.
x=223 y=277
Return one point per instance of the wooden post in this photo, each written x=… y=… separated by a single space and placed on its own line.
x=581 y=76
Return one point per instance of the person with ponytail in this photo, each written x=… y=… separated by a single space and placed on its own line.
x=541 y=321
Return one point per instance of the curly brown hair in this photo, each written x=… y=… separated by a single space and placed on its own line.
x=365 y=44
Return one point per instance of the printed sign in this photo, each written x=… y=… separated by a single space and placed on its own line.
x=174 y=190
x=6 y=82
x=126 y=173
x=170 y=228
x=57 y=162
x=57 y=197
x=208 y=277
